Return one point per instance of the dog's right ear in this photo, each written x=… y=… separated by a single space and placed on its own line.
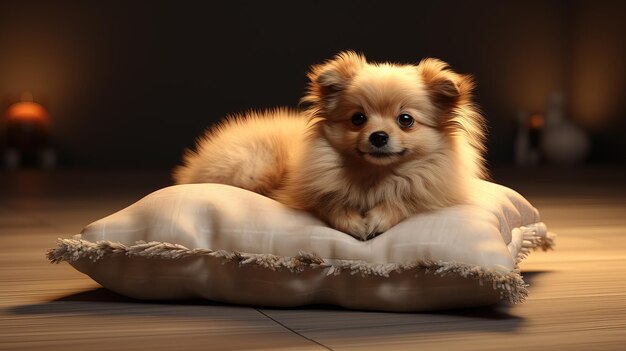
x=330 y=78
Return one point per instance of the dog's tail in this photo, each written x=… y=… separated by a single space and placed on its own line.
x=251 y=151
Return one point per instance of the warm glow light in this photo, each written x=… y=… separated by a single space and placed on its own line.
x=536 y=121
x=27 y=112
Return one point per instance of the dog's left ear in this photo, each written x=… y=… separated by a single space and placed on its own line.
x=329 y=79
x=451 y=93
x=446 y=88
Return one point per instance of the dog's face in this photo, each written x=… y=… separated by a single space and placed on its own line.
x=386 y=113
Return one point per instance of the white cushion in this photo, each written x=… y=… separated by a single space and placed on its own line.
x=230 y=245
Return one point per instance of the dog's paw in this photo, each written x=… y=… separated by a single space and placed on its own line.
x=378 y=220
x=377 y=224
x=350 y=222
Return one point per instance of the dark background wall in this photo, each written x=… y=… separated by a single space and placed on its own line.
x=131 y=84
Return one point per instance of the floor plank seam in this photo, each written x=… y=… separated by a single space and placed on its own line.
x=293 y=331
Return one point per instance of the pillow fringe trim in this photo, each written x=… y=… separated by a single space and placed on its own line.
x=535 y=237
x=510 y=284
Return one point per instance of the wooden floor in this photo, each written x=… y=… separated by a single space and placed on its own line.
x=577 y=296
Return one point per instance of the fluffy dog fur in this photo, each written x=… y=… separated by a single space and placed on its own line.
x=321 y=161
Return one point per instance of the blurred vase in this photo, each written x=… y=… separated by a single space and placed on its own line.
x=562 y=141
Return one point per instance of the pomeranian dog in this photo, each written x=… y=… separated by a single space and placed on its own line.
x=378 y=143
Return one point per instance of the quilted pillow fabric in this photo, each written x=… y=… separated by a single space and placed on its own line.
x=230 y=245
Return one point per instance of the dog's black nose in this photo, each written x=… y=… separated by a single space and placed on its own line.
x=379 y=138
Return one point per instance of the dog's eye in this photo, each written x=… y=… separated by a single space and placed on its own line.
x=405 y=121
x=358 y=119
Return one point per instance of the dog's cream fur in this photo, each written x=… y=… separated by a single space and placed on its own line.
x=319 y=161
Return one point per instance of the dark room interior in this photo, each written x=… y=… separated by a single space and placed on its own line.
x=112 y=93
x=131 y=84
